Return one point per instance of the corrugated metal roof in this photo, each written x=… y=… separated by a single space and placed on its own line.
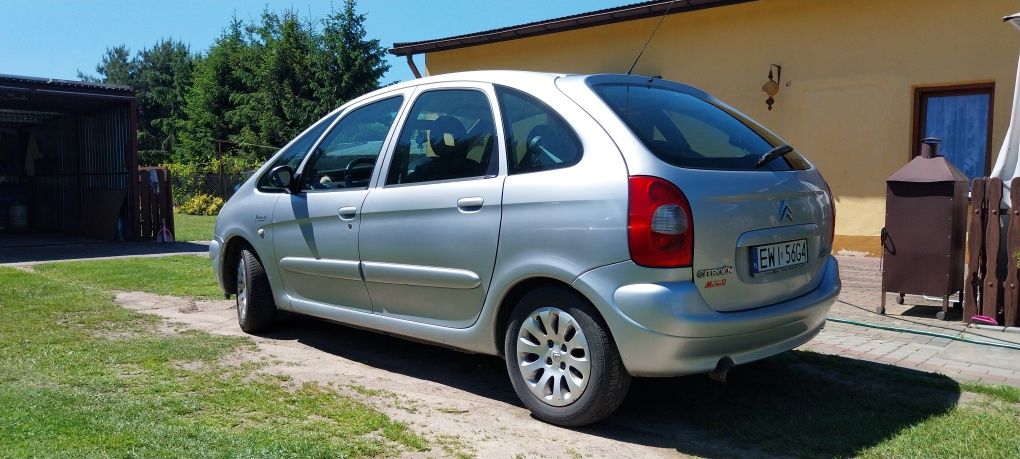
x=30 y=94
x=577 y=21
x=57 y=83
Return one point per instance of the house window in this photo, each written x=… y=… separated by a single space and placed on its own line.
x=962 y=117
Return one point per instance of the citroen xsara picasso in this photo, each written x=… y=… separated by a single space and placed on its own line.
x=587 y=228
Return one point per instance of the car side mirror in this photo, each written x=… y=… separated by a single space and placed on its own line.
x=282 y=177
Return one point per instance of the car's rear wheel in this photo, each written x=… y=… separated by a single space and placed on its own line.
x=256 y=309
x=562 y=361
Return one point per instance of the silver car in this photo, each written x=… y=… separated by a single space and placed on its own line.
x=586 y=228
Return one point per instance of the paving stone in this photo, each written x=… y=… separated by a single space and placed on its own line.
x=861 y=282
x=940 y=341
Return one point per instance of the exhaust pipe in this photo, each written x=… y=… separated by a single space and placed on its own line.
x=721 y=370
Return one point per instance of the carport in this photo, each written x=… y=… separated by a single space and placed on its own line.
x=68 y=162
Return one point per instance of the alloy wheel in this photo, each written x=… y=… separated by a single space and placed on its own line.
x=242 y=289
x=553 y=356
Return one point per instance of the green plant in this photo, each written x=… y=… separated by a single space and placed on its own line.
x=190 y=180
x=201 y=204
x=187 y=181
x=236 y=164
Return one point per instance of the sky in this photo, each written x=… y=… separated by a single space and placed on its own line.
x=56 y=38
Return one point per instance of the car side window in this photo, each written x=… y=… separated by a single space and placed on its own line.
x=347 y=155
x=538 y=139
x=296 y=151
x=449 y=134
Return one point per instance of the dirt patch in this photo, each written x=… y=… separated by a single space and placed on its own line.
x=463 y=402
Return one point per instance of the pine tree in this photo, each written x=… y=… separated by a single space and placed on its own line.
x=209 y=98
x=162 y=76
x=351 y=64
x=256 y=87
x=115 y=67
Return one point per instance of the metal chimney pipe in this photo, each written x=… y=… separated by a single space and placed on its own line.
x=930 y=147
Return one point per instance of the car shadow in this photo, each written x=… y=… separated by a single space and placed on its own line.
x=795 y=404
x=482 y=375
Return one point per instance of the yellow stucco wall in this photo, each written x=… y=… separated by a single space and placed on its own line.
x=851 y=66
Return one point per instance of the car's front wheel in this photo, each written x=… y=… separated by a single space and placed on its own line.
x=256 y=309
x=562 y=361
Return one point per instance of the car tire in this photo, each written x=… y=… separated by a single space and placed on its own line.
x=256 y=309
x=562 y=361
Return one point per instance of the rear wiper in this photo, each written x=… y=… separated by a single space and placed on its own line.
x=772 y=154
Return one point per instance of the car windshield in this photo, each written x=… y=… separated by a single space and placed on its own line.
x=687 y=131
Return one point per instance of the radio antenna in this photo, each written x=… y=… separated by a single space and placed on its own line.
x=636 y=59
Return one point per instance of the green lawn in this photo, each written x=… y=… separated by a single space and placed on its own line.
x=182 y=275
x=193 y=227
x=83 y=377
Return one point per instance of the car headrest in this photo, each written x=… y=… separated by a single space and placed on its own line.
x=446 y=136
x=541 y=135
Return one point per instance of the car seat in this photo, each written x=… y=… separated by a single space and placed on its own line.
x=447 y=138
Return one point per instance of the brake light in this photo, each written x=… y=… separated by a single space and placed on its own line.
x=660 y=228
x=832 y=211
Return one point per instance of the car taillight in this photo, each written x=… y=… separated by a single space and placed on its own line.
x=660 y=229
x=832 y=211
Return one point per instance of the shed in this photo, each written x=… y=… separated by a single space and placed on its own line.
x=68 y=161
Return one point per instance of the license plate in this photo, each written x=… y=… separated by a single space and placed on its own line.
x=772 y=257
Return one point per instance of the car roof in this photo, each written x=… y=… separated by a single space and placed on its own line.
x=506 y=77
x=513 y=78
x=488 y=76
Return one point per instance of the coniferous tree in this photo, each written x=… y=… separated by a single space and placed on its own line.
x=352 y=64
x=209 y=98
x=114 y=67
x=162 y=77
x=256 y=87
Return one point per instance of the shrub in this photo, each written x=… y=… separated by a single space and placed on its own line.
x=190 y=180
x=187 y=182
x=201 y=204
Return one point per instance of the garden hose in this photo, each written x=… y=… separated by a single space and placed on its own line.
x=926 y=333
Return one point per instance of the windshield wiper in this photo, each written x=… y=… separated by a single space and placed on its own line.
x=772 y=154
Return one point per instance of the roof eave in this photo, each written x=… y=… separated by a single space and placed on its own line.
x=579 y=21
x=58 y=84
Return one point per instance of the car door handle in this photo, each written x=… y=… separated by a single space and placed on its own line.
x=348 y=213
x=470 y=204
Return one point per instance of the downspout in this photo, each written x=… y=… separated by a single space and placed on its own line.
x=414 y=68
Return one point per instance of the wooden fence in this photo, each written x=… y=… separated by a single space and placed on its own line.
x=155 y=203
x=988 y=290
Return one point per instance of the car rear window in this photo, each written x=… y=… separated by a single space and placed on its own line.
x=687 y=131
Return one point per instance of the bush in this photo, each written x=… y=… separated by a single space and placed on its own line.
x=187 y=181
x=201 y=204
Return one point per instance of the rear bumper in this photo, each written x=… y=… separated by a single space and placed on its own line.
x=667 y=329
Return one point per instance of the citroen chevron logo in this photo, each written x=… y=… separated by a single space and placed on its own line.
x=785 y=214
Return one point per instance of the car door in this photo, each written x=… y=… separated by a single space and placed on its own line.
x=430 y=229
x=316 y=239
x=261 y=204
